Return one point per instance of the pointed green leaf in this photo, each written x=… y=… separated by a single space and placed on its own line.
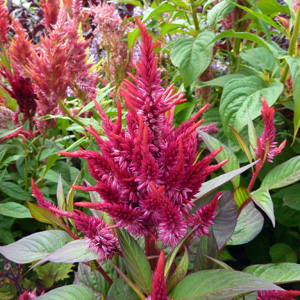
x=70 y=196
x=120 y=290
x=14 y=191
x=73 y=252
x=251 y=133
x=69 y=292
x=15 y=210
x=60 y=194
x=130 y=283
x=136 y=261
x=281 y=252
x=278 y=273
x=283 y=174
x=218 y=262
x=179 y=272
x=219 y=11
x=192 y=56
x=211 y=185
x=207 y=246
x=242 y=144
x=250 y=223
x=214 y=144
x=262 y=198
x=245 y=93
x=35 y=246
x=218 y=284
x=163 y=7
x=241 y=195
x=92 y=279
x=43 y=215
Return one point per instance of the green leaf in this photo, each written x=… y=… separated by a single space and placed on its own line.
x=163 y=7
x=14 y=191
x=132 y=37
x=130 y=283
x=52 y=272
x=192 y=56
x=250 y=223
x=91 y=279
x=262 y=17
x=220 y=81
x=136 y=261
x=281 y=252
x=272 y=6
x=219 y=11
x=179 y=272
x=8 y=291
x=15 y=210
x=251 y=134
x=242 y=144
x=262 y=198
x=69 y=292
x=241 y=195
x=291 y=196
x=247 y=36
x=35 y=246
x=207 y=247
x=60 y=194
x=260 y=58
x=283 y=174
x=245 y=93
x=43 y=215
x=211 y=185
x=278 y=273
x=73 y=252
x=120 y=290
x=213 y=144
x=218 y=284
x=294 y=64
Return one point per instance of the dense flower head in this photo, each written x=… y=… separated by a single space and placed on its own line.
x=5 y=115
x=50 y=10
x=20 y=50
x=22 y=90
x=148 y=175
x=266 y=147
x=277 y=295
x=3 y=23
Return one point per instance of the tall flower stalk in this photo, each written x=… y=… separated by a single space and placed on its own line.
x=149 y=175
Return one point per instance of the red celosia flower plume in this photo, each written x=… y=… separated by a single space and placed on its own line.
x=22 y=91
x=158 y=285
x=148 y=175
x=3 y=23
x=277 y=295
x=266 y=147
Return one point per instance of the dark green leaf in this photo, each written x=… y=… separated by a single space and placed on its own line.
x=136 y=261
x=120 y=290
x=219 y=11
x=14 y=191
x=281 y=252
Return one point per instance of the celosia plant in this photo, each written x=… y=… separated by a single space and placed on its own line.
x=149 y=175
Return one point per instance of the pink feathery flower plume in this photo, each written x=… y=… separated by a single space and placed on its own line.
x=148 y=175
x=50 y=10
x=3 y=23
x=21 y=49
x=277 y=295
x=266 y=147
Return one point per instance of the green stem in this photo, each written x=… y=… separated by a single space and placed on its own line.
x=194 y=15
x=39 y=156
x=65 y=109
x=292 y=44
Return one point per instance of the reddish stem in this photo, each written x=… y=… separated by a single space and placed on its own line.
x=151 y=251
x=103 y=273
x=254 y=175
